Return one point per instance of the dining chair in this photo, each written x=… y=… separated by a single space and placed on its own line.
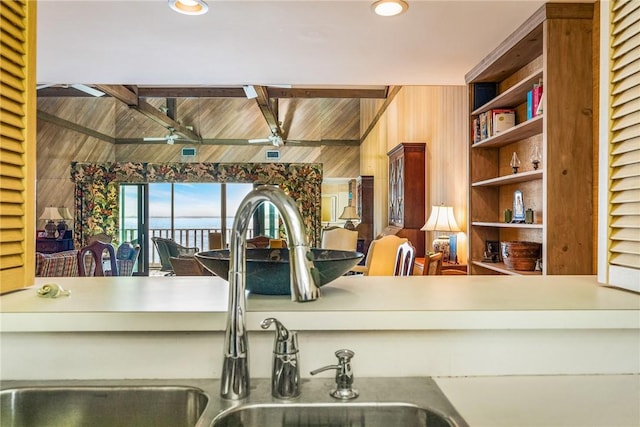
x=126 y=258
x=95 y=252
x=433 y=265
x=339 y=239
x=381 y=257
x=215 y=240
x=452 y=272
x=405 y=257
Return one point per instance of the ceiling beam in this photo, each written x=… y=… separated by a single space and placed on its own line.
x=43 y=115
x=272 y=92
x=129 y=95
x=269 y=109
x=243 y=142
x=276 y=92
x=393 y=91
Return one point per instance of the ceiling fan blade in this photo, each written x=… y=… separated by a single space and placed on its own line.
x=86 y=89
x=154 y=139
x=258 y=141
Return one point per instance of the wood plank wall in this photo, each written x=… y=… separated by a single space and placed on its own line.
x=63 y=122
x=431 y=114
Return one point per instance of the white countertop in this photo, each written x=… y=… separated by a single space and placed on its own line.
x=416 y=302
x=561 y=322
x=549 y=401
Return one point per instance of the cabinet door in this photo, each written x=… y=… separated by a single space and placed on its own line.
x=396 y=190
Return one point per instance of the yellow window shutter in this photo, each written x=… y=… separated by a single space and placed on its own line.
x=17 y=143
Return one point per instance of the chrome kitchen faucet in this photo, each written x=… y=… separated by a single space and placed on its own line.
x=234 y=382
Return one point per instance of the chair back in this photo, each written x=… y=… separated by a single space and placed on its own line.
x=339 y=239
x=258 y=242
x=126 y=258
x=452 y=272
x=433 y=265
x=169 y=248
x=96 y=251
x=381 y=258
x=215 y=240
x=405 y=258
x=188 y=266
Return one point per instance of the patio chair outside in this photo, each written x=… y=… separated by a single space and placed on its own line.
x=168 y=248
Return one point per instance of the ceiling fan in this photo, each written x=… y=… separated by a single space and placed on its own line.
x=274 y=139
x=170 y=138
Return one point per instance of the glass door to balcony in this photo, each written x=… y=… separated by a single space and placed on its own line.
x=183 y=212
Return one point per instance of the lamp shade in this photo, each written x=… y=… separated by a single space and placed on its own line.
x=51 y=214
x=64 y=212
x=349 y=212
x=441 y=219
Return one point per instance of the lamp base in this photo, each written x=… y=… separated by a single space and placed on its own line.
x=62 y=229
x=51 y=229
x=441 y=244
x=349 y=225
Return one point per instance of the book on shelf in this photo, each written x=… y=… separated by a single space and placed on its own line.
x=539 y=109
x=475 y=130
x=534 y=101
x=502 y=119
x=536 y=96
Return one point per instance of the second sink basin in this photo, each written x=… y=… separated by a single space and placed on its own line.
x=332 y=415
x=141 y=406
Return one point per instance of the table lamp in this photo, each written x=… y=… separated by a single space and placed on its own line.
x=51 y=214
x=443 y=220
x=62 y=224
x=349 y=213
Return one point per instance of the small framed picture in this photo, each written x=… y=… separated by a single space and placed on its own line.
x=491 y=251
x=518 y=207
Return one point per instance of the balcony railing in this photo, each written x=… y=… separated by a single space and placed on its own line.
x=189 y=237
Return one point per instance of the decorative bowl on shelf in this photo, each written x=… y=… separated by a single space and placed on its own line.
x=519 y=255
x=268 y=270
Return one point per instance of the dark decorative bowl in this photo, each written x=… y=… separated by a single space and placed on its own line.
x=268 y=269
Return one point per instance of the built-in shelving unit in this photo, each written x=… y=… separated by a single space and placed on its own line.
x=554 y=48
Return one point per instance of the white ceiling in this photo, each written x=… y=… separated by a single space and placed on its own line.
x=327 y=42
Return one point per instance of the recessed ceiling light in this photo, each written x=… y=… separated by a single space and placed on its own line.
x=389 y=7
x=189 y=7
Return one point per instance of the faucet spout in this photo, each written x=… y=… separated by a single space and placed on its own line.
x=234 y=383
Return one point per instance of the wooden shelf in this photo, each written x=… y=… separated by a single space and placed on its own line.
x=523 y=130
x=500 y=267
x=556 y=52
x=510 y=179
x=513 y=96
x=505 y=225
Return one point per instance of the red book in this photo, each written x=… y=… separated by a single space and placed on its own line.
x=537 y=94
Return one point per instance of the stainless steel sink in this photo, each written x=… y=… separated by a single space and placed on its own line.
x=103 y=406
x=332 y=415
x=406 y=402
x=383 y=402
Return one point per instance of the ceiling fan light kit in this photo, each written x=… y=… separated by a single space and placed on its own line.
x=389 y=7
x=189 y=7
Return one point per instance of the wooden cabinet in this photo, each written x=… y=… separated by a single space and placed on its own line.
x=407 y=192
x=364 y=206
x=49 y=246
x=553 y=47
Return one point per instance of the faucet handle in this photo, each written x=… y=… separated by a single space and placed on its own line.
x=286 y=342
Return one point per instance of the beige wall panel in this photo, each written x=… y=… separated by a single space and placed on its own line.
x=431 y=114
x=368 y=110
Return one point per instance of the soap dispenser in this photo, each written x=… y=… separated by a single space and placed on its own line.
x=285 y=374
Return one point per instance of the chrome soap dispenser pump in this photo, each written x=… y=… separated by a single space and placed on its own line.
x=285 y=373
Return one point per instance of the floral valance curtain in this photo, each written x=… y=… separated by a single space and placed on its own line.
x=97 y=188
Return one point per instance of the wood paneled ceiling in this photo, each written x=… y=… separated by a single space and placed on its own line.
x=229 y=115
